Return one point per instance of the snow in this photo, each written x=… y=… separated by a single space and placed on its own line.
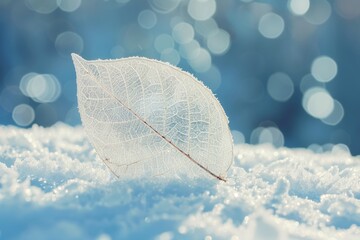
x=52 y=186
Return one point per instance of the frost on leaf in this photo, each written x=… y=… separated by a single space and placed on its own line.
x=148 y=118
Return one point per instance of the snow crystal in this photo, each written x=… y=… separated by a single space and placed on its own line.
x=52 y=186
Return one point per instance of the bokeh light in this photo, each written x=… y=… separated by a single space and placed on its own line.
x=202 y=62
x=190 y=50
x=104 y=236
x=299 y=7
x=336 y=115
x=23 y=115
x=24 y=82
x=163 y=41
x=201 y=9
x=41 y=88
x=349 y=9
x=318 y=102
x=316 y=148
x=271 y=25
x=69 y=5
x=170 y=55
x=69 y=42
x=147 y=19
x=308 y=81
x=272 y=135
x=204 y=28
x=211 y=78
x=238 y=137
x=324 y=69
x=340 y=149
x=40 y=6
x=280 y=87
x=183 y=32
x=218 y=41
x=319 y=12
x=164 y=6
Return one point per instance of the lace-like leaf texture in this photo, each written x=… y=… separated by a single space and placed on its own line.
x=146 y=117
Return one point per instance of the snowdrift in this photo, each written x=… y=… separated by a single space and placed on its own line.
x=52 y=186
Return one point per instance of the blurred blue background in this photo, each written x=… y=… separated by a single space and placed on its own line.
x=286 y=72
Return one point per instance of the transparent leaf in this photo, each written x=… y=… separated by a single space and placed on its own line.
x=146 y=117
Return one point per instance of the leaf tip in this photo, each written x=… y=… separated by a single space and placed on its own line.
x=79 y=62
x=76 y=58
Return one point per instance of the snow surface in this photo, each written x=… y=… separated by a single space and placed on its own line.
x=52 y=186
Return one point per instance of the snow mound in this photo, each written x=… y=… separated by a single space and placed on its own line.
x=52 y=186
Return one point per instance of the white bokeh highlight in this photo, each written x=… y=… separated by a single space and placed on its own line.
x=324 y=69
x=201 y=9
x=298 y=7
x=218 y=41
x=42 y=88
x=318 y=102
x=202 y=62
x=336 y=115
x=183 y=33
x=270 y=135
x=23 y=115
x=271 y=25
